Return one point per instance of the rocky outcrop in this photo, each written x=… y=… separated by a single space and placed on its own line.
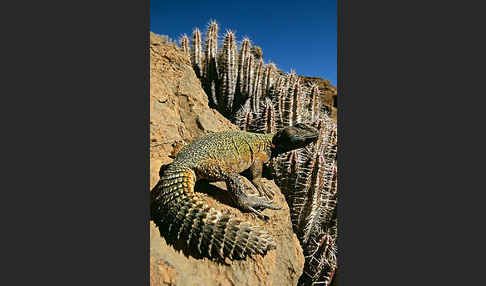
x=179 y=113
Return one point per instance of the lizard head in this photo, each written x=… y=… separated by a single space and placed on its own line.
x=293 y=137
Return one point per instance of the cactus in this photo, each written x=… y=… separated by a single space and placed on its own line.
x=291 y=100
x=288 y=108
x=184 y=42
x=267 y=78
x=321 y=257
x=265 y=121
x=210 y=66
x=268 y=122
x=319 y=173
x=257 y=52
x=298 y=98
x=196 y=52
x=277 y=92
x=228 y=75
x=314 y=204
x=257 y=87
x=308 y=179
x=257 y=98
x=244 y=116
x=292 y=103
x=248 y=77
x=314 y=102
x=243 y=57
x=286 y=168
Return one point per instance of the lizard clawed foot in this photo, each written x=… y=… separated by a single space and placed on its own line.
x=246 y=196
x=259 y=214
x=256 y=203
x=264 y=191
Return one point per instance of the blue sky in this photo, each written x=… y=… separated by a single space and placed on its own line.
x=299 y=35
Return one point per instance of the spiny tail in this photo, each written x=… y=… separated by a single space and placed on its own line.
x=181 y=214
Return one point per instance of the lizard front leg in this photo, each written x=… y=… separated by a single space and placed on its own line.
x=246 y=196
x=256 y=170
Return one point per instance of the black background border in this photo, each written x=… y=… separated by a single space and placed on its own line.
x=76 y=134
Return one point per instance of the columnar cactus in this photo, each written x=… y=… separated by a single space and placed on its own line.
x=292 y=103
x=308 y=179
x=211 y=42
x=314 y=102
x=267 y=77
x=277 y=93
x=258 y=99
x=291 y=100
x=298 y=100
x=248 y=76
x=289 y=167
x=292 y=78
x=185 y=44
x=299 y=198
x=244 y=116
x=210 y=72
x=314 y=205
x=196 y=52
x=228 y=74
x=321 y=257
x=266 y=120
x=243 y=57
x=257 y=86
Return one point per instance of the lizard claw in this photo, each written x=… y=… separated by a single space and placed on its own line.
x=264 y=191
x=256 y=204
x=259 y=214
x=246 y=196
x=261 y=202
x=263 y=206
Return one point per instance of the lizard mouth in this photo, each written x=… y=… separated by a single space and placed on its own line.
x=303 y=140
x=307 y=137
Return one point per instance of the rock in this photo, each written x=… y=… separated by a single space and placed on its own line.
x=177 y=101
x=179 y=113
x=282 y=266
